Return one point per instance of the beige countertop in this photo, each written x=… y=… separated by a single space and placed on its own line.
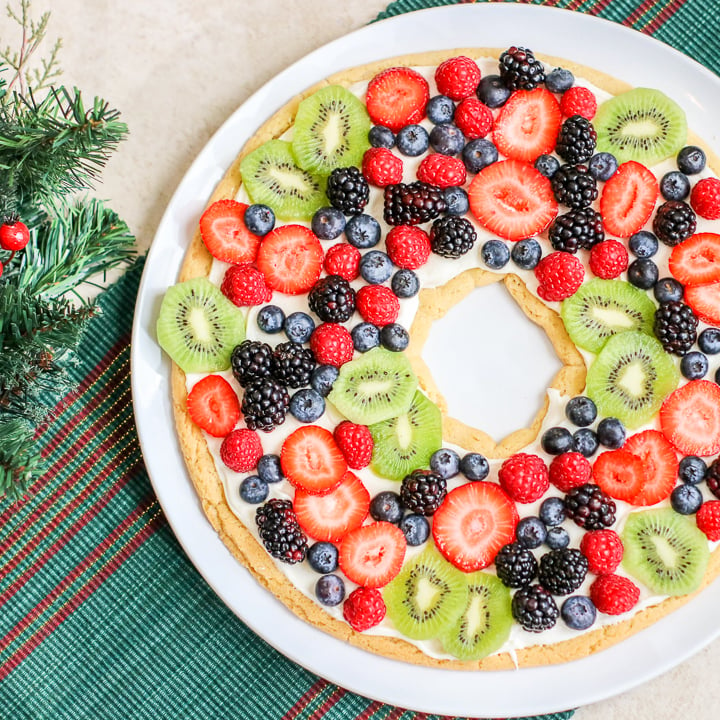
x=176 y=69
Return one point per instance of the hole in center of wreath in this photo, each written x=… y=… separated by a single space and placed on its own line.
x=490 y=362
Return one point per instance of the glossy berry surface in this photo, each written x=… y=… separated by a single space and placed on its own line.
x=269 y=469
x=478 y=154
x=330 y=590
x=445 y=462
x=556 y=440
x=585 y=441
x=531 y=532
x=253 y=490
x=386 y=506
x=259 y=219
x=457 y=201
x=322 y=379
x=674 y=186
x=307 y=405
x=691 y=160
x=547 y=165
x=578 y=612
x=447 y=139
x=416 y=529
x=299 y=327
x=668 y=290
x=611 y=433
x=323 y=557
x=328 y=223
x=602 y=166
x=686 y=499
x=412 y=140
x=14 y=235
x=376 y=267
x=271 y=319
x=492 y=91
x=643 y=244
x=474 y=466
x=495 y=254
x=709 y=341
x=440 y=109
x=557 y=538
x=552 y=511
x=362 y=231
x=694 y=365
x=559 y=80
x=394 y=337
x=405 y=284
x=365 y=336
x=581 y=411
x=643 y=273
x=692 y=470
x=381 y=137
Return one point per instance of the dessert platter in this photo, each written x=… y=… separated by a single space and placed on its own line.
x=342 y=217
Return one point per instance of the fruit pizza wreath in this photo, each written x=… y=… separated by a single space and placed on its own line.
x=321 y=449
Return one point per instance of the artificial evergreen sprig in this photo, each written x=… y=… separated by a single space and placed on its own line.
x=19 y=460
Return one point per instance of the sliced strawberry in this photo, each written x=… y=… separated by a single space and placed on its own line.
x=705 y=301
x=661 y=466
x=223 y=230
x=213 y=405
x=372 y=555
x=397 y=97
x=528 y=125
x=291 y=259
x=628 y=199
x=619 y=474
x=690 y=418
x=473 y=523
x=512 y=199
x=312 y=461
x=331 y=516
x=696 y=261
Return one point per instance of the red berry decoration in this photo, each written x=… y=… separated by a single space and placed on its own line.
x=708 y=519
x=408 y=246
x=364 y=608
x=213 y=405
x=578 y=101
x=608 y=259
x=244 y=285
x=343 y=260
x=569 y=470
x=332 y=344
x=474 y=118
x=705 y=198
x=380 y=167
x=397 y=97
x=524 y=477
x=377 y=304
x=457 y=77
x=559 y=274
x=14 y=236
x=442 y=170
x=614 y=594
x=241 y=450
x=603 y=550
x=355 y=443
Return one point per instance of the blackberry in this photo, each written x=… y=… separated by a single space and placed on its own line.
x=293 y=364
x=520 y=70
x=422 y=491
x=251 y=360
x=348 y=190
x=576 y=140
x=279 y=530
x=332 y=299
x=452 y=236
x=675 y=327
x=674 y=222
x=562 y=571
x=534 y=608
x=574 y=186
x=516 y=566
x=412 y=204
x=589 y=507
x=712 y=478
x=265 y=404
x=581 y=228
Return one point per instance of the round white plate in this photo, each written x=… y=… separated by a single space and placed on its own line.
x=612 y=48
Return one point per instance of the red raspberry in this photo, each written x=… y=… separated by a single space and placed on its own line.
x=474 y=118
x=614 y=594
x=356 y=444
x=380 y=167
x=457 y=77
x=560 y=274
x=603 y=550
x=408 y=246
x=708 y=519
x=705 y=198
x=245 y=285
x=377 y=304
x=343 y=260
x=241 y=450
x=524 y=477
x=364 y=608
x=608 y=259
x=442 y=170
x=14 y=235
x=578 y=101
x=569 y=470
x=331 y=344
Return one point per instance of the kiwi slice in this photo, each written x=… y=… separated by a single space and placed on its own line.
x=198 y=327
x=631 y=377
x=426 y=596
x=665 y=550
x=406 y=442
x=485 y=623
x=331 y=131
x=601 y=308
x=377 y=386
x=641 y=124
x=271 y=177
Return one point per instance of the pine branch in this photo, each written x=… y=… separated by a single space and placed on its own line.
x=20 y=464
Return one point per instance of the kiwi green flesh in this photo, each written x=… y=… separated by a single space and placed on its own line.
x=630 y=378
x=198 y=327
x=602 y=308
x=642 y=124
x=426 y=596
x=665 y=551
x=406 y=442
x=271 y=177
x=330 y=131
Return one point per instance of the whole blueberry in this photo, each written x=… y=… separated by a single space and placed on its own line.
x=643 y=244
x=526 y=253
x=323 y=557
x=686 y=499
x=495 y=254
x=531 y=532
x=416 y=529
x=668 y=290
x=447 y=139
x=299 y=327
x=259 y=219
x=556 y=441
x=692 y=470
x=440 y=109
x=412 y=140
x=691 y=160
x=253 y=490
x=457 y=200
x=322 y=379
x=386 y=507
x=328 y=223
x=307 y=405
x=330 y=590
x=365 y=336
x=559 y=80
x=445 y=462
x=694 y=365
x=581 y=411
x=557 y=538
x=269 y=469
x=709 y=341
x=611 y=433
x=474 y=466
x=675 y=186
x=405 y=283
x=478 y=154
x=547 y=165
x=552 y=511
x=375 y=267
x=394 y=337
x=578 y=612
x=362 y=231
x=381 y=136
x=603 y=166
x=271 y=319
x=643 y=273
x=585 y=441
x=492 y=91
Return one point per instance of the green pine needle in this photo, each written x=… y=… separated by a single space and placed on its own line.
x=20 y=463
